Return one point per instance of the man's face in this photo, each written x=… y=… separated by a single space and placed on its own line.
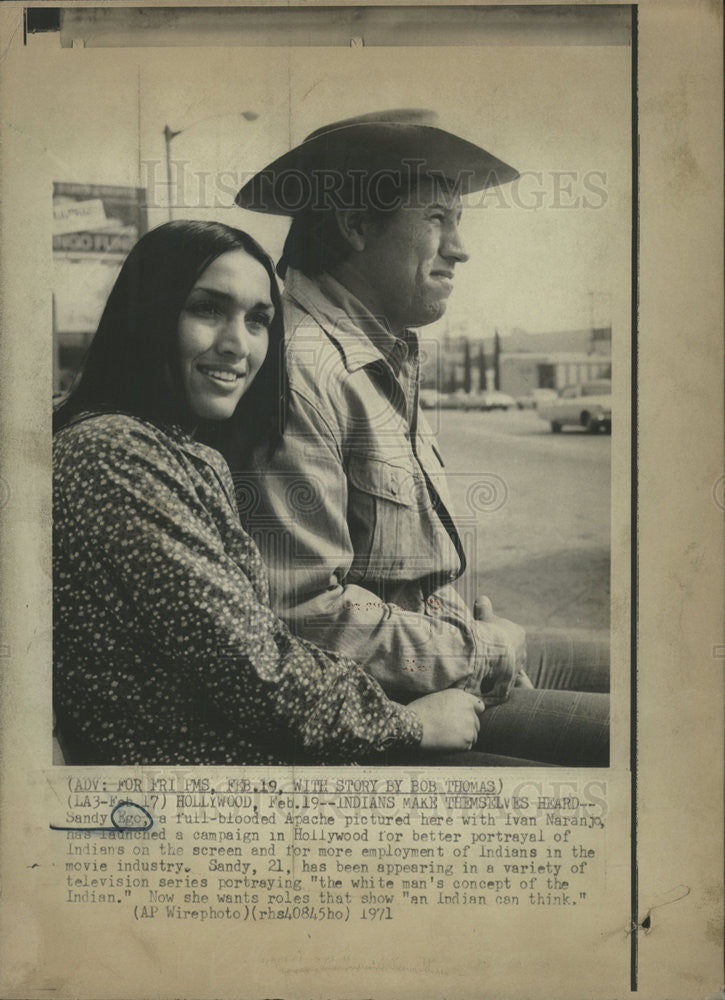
x=408 y=261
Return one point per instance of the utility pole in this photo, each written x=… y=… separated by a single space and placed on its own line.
x=169 y=134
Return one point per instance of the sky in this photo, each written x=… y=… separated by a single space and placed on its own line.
x=549 y=253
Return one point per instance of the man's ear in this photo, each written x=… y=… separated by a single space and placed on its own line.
x=353 y=224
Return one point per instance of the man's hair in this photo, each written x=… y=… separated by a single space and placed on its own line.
x=314 y=243
x=132 y=364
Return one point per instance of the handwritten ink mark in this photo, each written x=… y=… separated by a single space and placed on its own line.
x=646 y=922
x=115 y=826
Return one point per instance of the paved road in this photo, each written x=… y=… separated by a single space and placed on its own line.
x=536 y=508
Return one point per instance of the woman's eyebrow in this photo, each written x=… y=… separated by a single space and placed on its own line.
x=228 y=296
x=266 y=306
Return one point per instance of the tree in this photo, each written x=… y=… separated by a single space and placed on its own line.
x=450 y=382
x=496 y=361
x=481 y=363
x=466 y=365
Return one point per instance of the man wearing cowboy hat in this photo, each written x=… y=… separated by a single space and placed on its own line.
x=352 y=513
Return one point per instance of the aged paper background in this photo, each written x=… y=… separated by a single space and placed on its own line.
x=52 y=102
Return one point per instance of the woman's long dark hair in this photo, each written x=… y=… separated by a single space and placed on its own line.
x=131 y=364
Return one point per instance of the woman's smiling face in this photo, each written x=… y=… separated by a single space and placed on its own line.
x=224 y=334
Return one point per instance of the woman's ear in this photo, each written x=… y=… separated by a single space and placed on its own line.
x=352 y=224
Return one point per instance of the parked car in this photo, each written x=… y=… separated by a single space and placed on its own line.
x=429 y=399
x=448 y=401
x=462 y=400
x=532 y=399
x=488 y=400
x=588 y=405
x=495 y=400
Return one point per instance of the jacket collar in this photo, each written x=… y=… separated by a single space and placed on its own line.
x=359 y=336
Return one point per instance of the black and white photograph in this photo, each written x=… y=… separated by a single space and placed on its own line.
x=333 y=373
x=361 y=500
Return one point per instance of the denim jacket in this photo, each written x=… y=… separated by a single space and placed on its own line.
x=352 y=512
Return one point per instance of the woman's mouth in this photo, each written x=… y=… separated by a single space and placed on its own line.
x=227 y=376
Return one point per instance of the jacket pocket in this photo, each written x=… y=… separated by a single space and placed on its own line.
x=384 y=479
x=383 y=517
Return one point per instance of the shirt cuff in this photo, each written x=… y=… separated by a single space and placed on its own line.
x=409 y=730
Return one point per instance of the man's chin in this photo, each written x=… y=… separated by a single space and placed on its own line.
x=429 y=313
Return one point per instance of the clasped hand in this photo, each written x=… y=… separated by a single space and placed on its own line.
x=505 y=653
x=450 y=718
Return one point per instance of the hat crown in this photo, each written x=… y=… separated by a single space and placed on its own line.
x=395 y=116
x=373 y=144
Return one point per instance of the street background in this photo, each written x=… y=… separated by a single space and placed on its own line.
x=542 y=524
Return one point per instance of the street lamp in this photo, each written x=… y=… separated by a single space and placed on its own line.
x=170 y=134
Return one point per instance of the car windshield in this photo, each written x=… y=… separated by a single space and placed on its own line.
x=597 y=389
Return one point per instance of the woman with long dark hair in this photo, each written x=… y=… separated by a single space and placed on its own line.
x=166 y=650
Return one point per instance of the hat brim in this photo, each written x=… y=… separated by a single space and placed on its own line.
x=307 y=175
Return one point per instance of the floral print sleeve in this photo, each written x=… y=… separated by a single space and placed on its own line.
x=165 y=647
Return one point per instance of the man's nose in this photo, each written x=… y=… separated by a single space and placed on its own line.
x=453 y=247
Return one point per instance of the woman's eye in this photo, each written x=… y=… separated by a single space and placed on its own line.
x=205 y=309
x=259 y=321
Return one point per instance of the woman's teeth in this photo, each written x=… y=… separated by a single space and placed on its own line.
x=221 y=375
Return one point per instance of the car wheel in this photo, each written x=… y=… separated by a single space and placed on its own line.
x=555 y=427
x=590 y=423
x=607 y=426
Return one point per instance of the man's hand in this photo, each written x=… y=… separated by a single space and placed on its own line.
x=507 y=642
x=450 y=719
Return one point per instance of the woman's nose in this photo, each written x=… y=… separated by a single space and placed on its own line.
x=234 y=338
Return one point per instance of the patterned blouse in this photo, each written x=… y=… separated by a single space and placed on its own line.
x=166 y=650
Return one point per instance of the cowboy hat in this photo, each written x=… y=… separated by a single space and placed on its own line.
x=400 y=141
